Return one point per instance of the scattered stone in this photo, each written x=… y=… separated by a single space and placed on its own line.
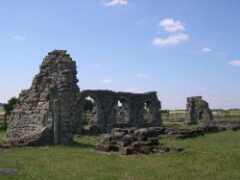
x=8 y=170
x=5 y=145
x=133 y=141
x=191 y=132
x=182 y=133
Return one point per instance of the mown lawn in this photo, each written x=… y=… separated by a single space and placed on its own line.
x=211 y=157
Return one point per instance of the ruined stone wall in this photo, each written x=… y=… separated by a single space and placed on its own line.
x=198 y=111
x=129 y=114
x=51 y=111
x=45 y=113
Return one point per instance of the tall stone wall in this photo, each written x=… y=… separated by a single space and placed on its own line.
x=45 y=113
x=198 y=111
x=129 y=114
x=51 y=111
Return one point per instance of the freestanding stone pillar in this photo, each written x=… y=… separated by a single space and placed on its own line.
x=198 y=111
x=46 y=112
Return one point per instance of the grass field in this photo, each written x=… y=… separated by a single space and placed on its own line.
x=1 y=109
x=211 y=157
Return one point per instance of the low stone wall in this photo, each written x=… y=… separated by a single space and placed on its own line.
x=219 y=116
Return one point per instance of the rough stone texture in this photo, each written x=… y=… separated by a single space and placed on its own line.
x=120 y=109
x=133 y=141
x=191 y=132
x=182 y=133
x=45 y=113
x=198 y=111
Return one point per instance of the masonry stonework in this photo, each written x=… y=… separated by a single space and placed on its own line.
x=198 y=111
x=45 y=112
x=51 y=111
x=122 y=109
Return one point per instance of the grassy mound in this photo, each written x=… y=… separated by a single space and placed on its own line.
x=214 y=156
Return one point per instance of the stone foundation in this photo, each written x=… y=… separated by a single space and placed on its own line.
x=133 y=141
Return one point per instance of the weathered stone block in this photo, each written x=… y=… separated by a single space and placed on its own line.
x=130 y=143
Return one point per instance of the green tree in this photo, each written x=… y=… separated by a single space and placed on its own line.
x=11 y=104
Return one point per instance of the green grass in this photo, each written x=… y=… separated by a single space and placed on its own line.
x=211 y=157
x=1 y=117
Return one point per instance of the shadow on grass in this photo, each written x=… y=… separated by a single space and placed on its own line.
x=83 y=145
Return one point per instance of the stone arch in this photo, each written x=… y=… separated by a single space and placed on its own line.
x=151 y=110
x=104 y=101
x=89 y=112
x=89 y=116
x=147 y=112
x=122 y=111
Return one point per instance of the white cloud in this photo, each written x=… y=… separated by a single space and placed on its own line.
x=106 y=81
x=116 y=2
x=176 y=36
x=19 y=37
x=133 y=90
x=235 y=63
x=170 y=25
x=142 y=76
x=171 y=40
x=206 y=50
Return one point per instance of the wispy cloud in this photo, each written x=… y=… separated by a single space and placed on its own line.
x=176 y=34
x=206 y=50
x=171 y=40
x=142 y=75
x=18 y=37
x=170 y=25
x=106 y=81
x=235 y=62
x=116 y=2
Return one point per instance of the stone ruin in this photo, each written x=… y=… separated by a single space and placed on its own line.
x=51 y=111
x=45 y=113
x=54 y=109
x=198 y=111
x=120 y=110
x=127 y=141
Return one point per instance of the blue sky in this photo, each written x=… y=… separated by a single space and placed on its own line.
x=177 y=48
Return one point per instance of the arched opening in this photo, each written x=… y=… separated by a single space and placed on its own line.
x=122 y=112
x=147 y=113
x=89 y=115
